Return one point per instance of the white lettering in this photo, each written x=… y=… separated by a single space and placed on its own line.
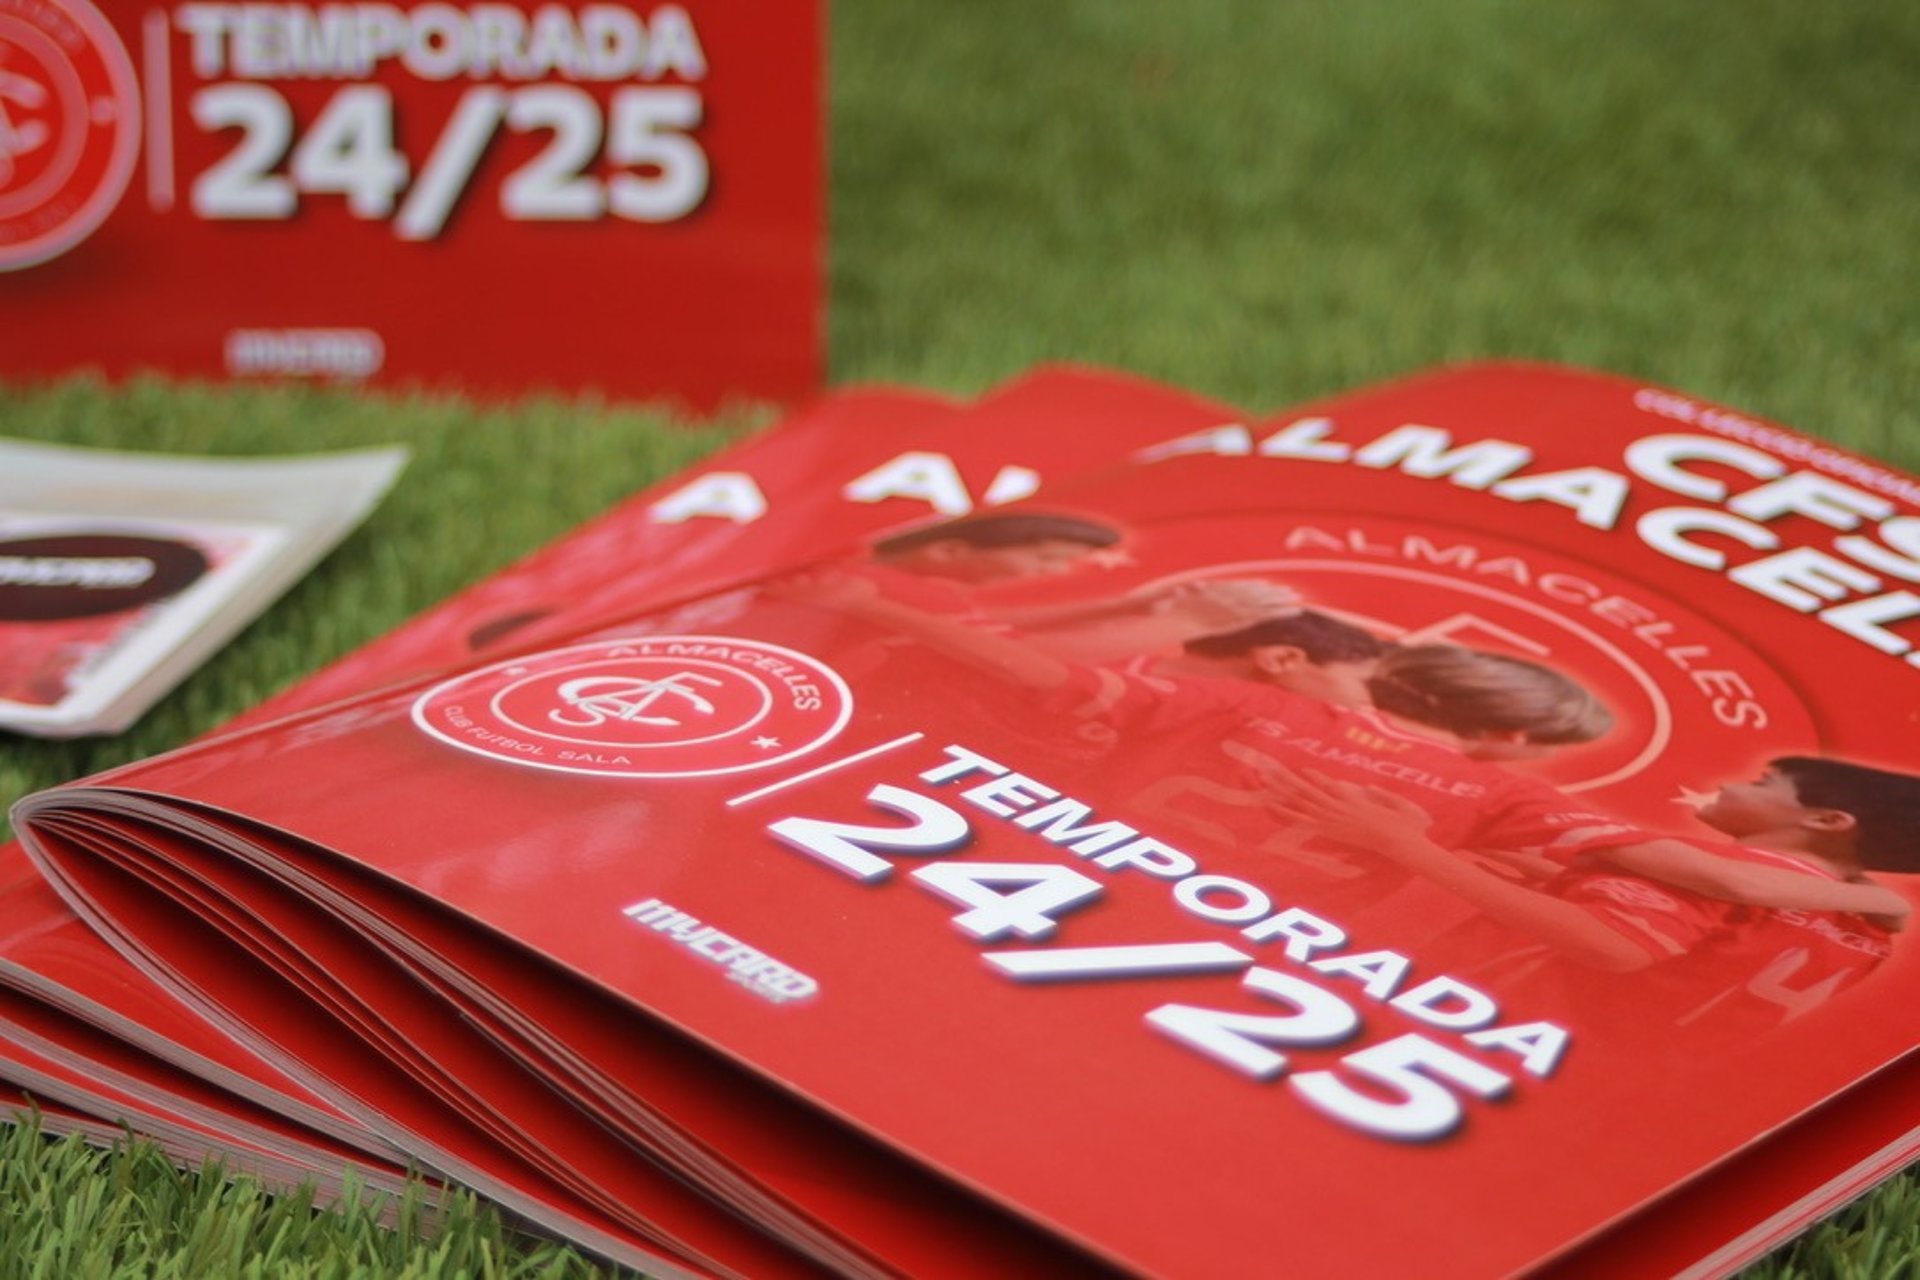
x=1657 y=458
x=724 y=495
x=1425 y=452
x=921 y=477
x=1802 y=577
x=1664 y=530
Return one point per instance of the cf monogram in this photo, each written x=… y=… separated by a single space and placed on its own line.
x=599 y=699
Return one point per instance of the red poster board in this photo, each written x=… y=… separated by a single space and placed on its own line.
x=493 y=196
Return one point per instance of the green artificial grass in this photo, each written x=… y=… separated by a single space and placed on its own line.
x=69 y=1212
x=1269 y=201
x=1260 y=201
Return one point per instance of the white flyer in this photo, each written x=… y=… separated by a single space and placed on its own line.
x=121 y=573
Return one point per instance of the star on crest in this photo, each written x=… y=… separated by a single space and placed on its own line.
x=766 y=743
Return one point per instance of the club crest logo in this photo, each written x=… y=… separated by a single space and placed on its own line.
x=657 y=707
x=69 y=126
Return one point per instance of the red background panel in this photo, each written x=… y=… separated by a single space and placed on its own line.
x=724 y=298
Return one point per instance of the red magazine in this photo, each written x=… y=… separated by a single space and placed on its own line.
x=1450 y=784
x=872 y=453
x=854 y=463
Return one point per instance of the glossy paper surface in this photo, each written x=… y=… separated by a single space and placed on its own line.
x=898 y=912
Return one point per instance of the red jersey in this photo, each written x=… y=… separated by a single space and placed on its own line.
x=1717 y=967
x=929 y=594
x=941 y=597
x=1199 y=761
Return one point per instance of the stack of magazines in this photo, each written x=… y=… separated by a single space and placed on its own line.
x=1462 y=826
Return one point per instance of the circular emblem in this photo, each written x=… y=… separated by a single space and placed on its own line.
x=69 y=126
x=656 y=707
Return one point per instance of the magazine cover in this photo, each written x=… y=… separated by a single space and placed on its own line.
x=1458 y=782
x=856 y=461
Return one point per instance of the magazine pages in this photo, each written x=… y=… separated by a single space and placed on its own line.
x=872 y=454
x=1286 y=819
x=1761 y=1198
x=120 y=573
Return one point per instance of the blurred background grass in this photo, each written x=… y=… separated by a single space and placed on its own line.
x=1260 y=201
x=1266 y=201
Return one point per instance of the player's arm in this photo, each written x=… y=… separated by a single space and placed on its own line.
x=1073 y=613
x=995 y=654
x=1092 y=640
x=1379 y=822
x=1157 y=621
x=1522 y=862
x=1683 y=865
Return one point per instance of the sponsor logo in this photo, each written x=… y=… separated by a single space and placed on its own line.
x=1632 y=893
x=69 y=126
x=305 y=353
x=753 y=969
x=658 y=707
x=55 y=579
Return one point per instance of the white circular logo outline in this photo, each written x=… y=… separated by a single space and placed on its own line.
x=836 y=683
x=106 y=197
x=766 y=709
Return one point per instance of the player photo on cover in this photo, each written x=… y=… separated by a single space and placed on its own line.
x=1373 y=811
x=1388 y=781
